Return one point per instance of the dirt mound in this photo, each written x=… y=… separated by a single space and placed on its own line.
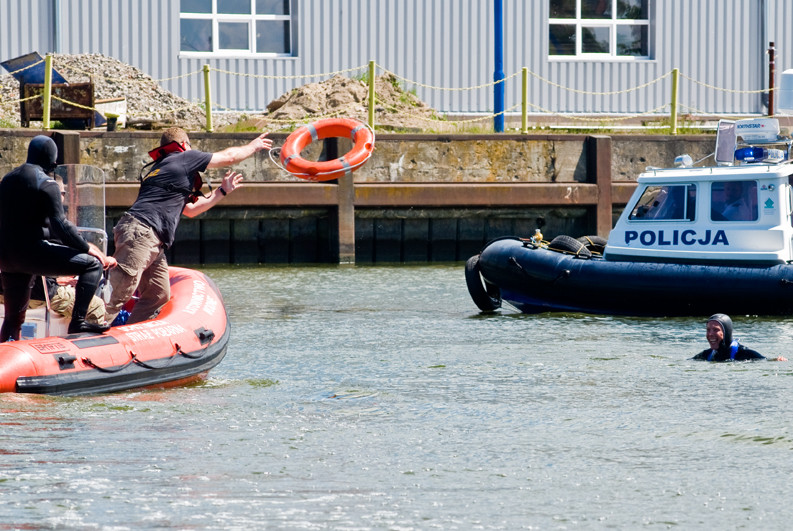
x=395 y=109
x=148 y=104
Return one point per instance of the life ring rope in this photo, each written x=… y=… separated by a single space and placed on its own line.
x=311 y=170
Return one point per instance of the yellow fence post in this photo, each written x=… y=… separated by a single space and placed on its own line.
x=524 y=98
x=371 y=94
x=675 y=74
x=207 y=99
x=47 y=96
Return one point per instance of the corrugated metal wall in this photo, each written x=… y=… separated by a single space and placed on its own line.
x=434 y=43
x=24 y=27
x=711 y=42
x=716 y=43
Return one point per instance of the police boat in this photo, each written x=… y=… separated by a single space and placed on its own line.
x=691 y=241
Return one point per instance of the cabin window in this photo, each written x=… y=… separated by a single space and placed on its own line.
x=733 y=201
x=672 y=202
x=597 y=29
x=235 y=28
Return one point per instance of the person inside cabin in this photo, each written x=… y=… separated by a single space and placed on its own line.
x=170 y=188
x=723 y=347
x=30 y=199
x=736 y=207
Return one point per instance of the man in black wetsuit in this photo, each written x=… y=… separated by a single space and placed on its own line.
x=722 y=346
x=30 y=199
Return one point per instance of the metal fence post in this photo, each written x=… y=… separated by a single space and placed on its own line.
x=771 y=66
x=47 y=96
x=598 y=150
x=524 y=99
x=371 y=93
x=498 y=75
x=675 y=74
x=207 y=99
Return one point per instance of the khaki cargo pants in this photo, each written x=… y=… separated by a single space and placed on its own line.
x=62 y=302
x=142 y=267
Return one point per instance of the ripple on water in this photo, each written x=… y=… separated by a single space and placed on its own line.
x=379 y=397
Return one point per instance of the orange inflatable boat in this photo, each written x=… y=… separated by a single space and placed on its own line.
x=187 y=339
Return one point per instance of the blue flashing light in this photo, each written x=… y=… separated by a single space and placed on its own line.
x=759 y=154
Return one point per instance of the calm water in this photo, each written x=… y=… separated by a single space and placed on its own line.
x=378 y=398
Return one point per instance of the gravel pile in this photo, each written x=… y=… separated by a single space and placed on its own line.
x=146 y=100
x=148 y=103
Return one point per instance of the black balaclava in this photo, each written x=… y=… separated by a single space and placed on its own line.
x=726 y=326
x=43 y=152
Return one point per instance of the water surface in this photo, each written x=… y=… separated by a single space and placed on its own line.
x=379 y=398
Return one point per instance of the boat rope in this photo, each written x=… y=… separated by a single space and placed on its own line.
x=152 y=367
x=134 y=359
x=191 y=356
x=514 y=261
x=564 y=273
x=93 y=365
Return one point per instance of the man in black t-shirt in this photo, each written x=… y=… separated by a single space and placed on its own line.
x=30 y=199
x=147 y=229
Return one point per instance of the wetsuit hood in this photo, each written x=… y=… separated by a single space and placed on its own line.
x=726 y=326
x=43 y=152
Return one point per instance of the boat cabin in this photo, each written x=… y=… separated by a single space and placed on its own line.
x=738 y=210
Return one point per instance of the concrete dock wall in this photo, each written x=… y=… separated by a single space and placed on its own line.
x=420 y=198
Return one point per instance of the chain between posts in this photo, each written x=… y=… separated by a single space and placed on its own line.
x=372 y=100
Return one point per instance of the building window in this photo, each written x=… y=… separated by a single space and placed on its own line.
x=235 y=27
x=598 y=29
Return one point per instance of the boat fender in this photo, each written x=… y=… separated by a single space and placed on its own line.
x=568 y=244
x=595 y=244
x=485 y=295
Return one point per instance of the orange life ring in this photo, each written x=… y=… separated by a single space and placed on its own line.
x=361 y=136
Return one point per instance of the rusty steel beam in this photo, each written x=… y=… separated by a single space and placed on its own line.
x=405 y=194
x=599 y=169
x=474 y=194
x=251 y=194
x=346 y=219
x=621 y=192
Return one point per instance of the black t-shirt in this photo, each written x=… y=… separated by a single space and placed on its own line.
x=159 y=207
